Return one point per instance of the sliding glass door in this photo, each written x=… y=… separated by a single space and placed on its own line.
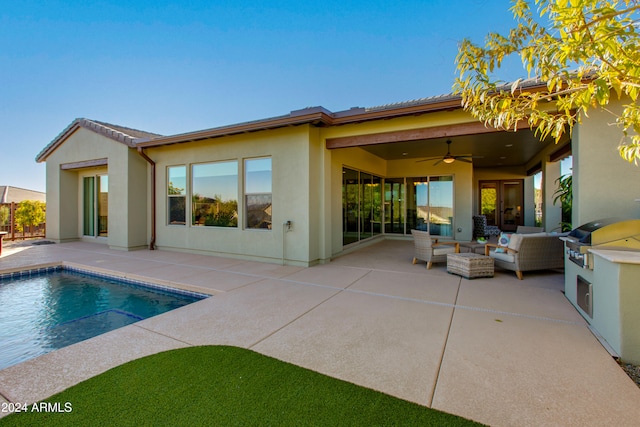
x=361 y=205
x=88 y=206
x=428 y=205
x=395 y=205
x=95 y=206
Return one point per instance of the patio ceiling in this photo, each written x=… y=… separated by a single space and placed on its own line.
x=497 y=148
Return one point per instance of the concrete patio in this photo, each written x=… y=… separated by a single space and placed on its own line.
x=498 y=350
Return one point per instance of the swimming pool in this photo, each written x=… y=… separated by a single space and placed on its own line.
x=49 y=310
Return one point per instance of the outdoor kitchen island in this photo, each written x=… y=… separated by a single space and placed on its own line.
x=602 y=281
x=616 y=316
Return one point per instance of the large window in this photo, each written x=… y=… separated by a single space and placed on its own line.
x=257 y=190
x=214 y=189
x=177 y=195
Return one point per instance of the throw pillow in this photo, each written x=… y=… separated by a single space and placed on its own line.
x=503 y=240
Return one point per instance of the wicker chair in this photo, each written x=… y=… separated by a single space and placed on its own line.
x=430 y=250
x=527 y=252
x=481 y=229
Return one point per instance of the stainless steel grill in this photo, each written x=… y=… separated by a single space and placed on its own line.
x=610 y=232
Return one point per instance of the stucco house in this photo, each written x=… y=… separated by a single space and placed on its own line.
x=304 y=187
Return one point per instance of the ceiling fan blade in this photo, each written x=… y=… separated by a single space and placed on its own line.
x=462 y=159
x=438 y=162
x=428 y=158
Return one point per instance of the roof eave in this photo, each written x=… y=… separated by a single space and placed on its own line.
x=317 y=118
x=97 y=127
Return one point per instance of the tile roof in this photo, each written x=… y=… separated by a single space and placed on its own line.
x=317 y=116
x=117 y=133
x=10 y=194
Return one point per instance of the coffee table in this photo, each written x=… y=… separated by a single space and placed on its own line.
x=473 y=247
x=470 y=265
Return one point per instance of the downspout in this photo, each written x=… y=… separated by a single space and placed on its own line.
x=152 y=244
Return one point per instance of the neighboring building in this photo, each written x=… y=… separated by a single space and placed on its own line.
x=10 y=194
x=303 y=187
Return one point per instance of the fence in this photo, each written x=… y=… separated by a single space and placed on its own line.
x=13 y=230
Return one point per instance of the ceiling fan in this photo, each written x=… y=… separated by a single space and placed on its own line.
x=449 y=158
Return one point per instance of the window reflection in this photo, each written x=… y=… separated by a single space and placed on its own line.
x=258 y=193
x=214 y=189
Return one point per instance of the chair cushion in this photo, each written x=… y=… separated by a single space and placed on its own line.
x=516 y=240
x=502 y=256
x=503 y=240
x=442 y=250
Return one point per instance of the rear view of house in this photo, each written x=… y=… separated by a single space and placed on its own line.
x=304 y=187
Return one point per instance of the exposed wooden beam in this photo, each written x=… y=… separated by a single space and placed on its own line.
x=85 y=164
x=472 y=128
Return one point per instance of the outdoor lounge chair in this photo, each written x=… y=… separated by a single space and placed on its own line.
x=523 y=229
x=527 y=252
x=430 y=250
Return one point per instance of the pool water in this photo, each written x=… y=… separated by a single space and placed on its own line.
x=45 y=312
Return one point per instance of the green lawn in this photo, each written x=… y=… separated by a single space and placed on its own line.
x=218 y=385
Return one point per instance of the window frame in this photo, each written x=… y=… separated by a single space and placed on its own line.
x=183 y=195
x=233 y=220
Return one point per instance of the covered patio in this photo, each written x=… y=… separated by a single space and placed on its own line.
x=496 y=350
x=437 y=177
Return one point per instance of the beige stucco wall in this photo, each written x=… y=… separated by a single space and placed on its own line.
x=127 y=190
x=604 y=184
x=296 y=196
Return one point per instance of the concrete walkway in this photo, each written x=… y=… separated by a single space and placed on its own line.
x=499 y=351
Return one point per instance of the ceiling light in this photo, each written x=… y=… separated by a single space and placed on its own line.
x=448 y=160
x=509 y=145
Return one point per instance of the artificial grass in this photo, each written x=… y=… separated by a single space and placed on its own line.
x=221 y=385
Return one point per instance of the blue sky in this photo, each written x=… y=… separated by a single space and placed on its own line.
x=177 y=66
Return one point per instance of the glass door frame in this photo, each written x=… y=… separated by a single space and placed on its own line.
x=95 y=200
x=507 y=218
x=419 y=209
x=362 y=218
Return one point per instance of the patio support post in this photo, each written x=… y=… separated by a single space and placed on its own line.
x=552 y=213
x=152 y=244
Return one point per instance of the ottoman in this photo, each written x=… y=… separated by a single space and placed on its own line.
x=470 y=265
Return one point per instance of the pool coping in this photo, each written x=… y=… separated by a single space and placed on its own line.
x=129 y=279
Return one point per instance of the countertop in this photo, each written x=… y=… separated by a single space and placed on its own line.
x=620 y=255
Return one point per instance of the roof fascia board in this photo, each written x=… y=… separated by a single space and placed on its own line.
x=99 y=128
x=319 y=118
